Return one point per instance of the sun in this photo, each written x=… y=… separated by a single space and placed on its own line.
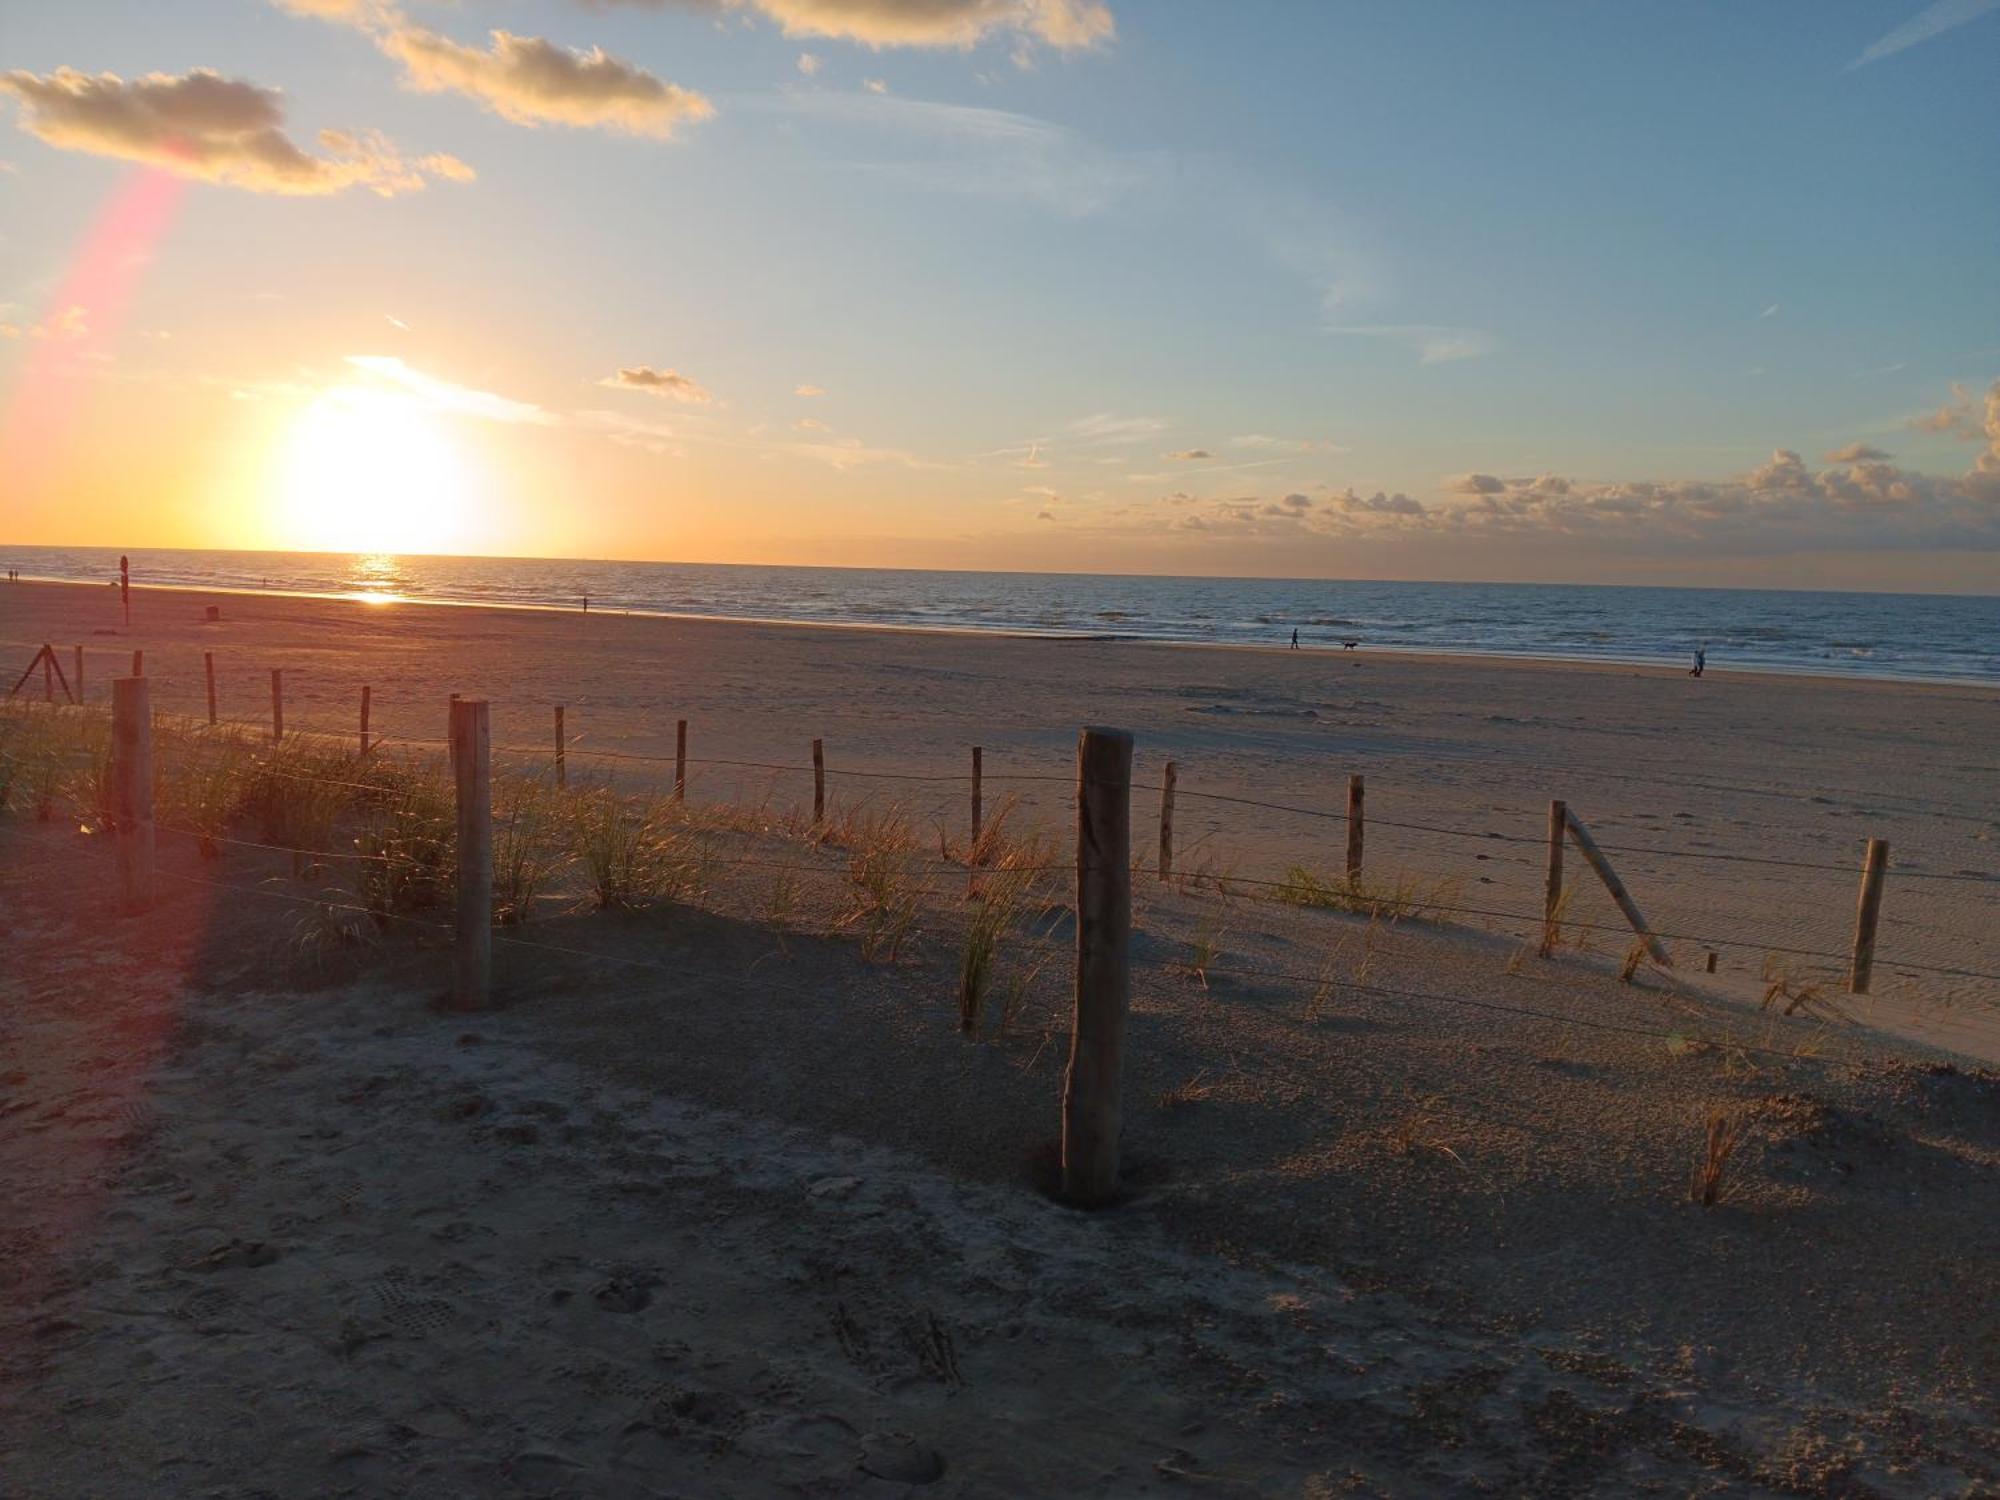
x=370 y=471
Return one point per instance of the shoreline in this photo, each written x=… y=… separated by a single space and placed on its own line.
x=1519 y=659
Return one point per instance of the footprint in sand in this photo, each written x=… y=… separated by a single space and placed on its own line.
x=237 y=1254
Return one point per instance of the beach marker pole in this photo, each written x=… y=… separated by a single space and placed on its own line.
x=1867 y=912
x=277 y=704
x=472 y=772
x=978 y=772
x=1167 y=778
x=1093 y=1082
x=48 y=675
x=138 y=664
x=562 y=762
x=208 y=670
x=132 y=789
x=819 y=783
x=79 y=674
x=1354 y=827
x=367 y=693
x=1552 y=893
x=1594 y=856
x=681 y=760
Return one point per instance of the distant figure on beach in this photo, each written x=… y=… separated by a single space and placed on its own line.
x=1700 y=662
x=1295 y=638
x=586 y=604
x=1349 y=645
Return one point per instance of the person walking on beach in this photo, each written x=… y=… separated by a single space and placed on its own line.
x=1295 y=638
x=1700 y=662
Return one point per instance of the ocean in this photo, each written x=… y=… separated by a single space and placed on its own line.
x=1923 y=636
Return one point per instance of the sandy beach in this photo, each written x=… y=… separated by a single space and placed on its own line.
x=720 y=1201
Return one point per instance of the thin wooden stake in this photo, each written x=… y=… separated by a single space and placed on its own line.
x=277 y=704
x=681 y=760
x=1867 y=912
x=208 y=670
x=562 y=750
x=978 y=777
x=1167 y=779
x=79 y=674
x=472 y=772
x=132 y=789
x=367 y=693
x=1092 y=1104
x=48 y=675
x=1552 y=892
x=1355 y=827
x=819 y=783
x=138 y=663
x=1580 y=836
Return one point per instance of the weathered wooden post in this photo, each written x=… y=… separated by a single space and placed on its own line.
x=1355 y=827
x=680 y=760
x=1167 y=779
x=208 y=669
x=978 y=774
x=1092 y=1084
x=79 y=674
x=367 y=693
x=562 y=750
x=138 y=663
x=1594 y=857
x=132 y=789
x=472 y=772
x=277 y=704
x=48 y=675
x=1867 y=911
x=819 y=783
x=1552 y=892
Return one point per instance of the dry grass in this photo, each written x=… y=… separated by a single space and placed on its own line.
x=1193 y=1091
x=1789 y=994
x=1709 y=1182
x=1403 y=898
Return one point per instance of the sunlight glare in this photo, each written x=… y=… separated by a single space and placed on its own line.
x=373 y=472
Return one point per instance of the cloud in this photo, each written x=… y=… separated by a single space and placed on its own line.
x=1188 y=455
x=1474 y=484
x=1769 y=312
x=1066 y=25
x=1264 y=440
x=875 y=85
x=811 y=424
x=808 y=64
x=532 y=81
x=1107 y=427
x=442 y=395
x=852 y=453
x=668 y=383
x=1432 y=343
x=1930 y=22
x=807 y=391
x=1955 y=418
x=215 y=129
x=633 y=432
x=1856 y=453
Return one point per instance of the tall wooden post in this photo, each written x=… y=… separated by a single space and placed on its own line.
x=1167 y=779
x=1355 y=827
x=79 y=674
x=472 y=771
x=48 y=675
x=1867 y=912
x=819 y=783
x=1552 y=892
x=277 y=704
x=367 y=693
x=132 y=789
x=138 y=663
x=680 y=760
x=208 y=670
x=562 y=750
x=1092 y=1109
x=1622 y=898
x=978 y=777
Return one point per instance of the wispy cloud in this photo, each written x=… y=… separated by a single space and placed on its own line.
x=1432 y=343
x=807 y=391
x=1772 y=310
x=1931 y=22
x=444 y=396
x=224 y=130
x=670 y=384
x=1066 y=25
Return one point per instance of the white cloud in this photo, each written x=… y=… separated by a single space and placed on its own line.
x=532 y=81
x=808 y=64
x=668 y=383
x=1066 y=25
x=1432 y=343
x=807 y=391
x=202 y=125
x=444 y=396
x=1930 y=22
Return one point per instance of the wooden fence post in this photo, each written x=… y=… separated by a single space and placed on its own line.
x=79 y=674
x=472 y=772
x=138 y=663
x=562 y=750
x=277 y=704
x=48 y=675
x=1092 y=1084
x=978 y=777
x=367 y=693
x=819 y=783
x=132 y=789
x=1355 y=827
x=1867 y=911
x=1552 y=893
x=681 y=760
x=1594 y=856
x=1167 y=778
x=208 y=669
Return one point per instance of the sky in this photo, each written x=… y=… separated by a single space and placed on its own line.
x=1703 y=294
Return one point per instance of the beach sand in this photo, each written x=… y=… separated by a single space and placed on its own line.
x=712 y=1206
